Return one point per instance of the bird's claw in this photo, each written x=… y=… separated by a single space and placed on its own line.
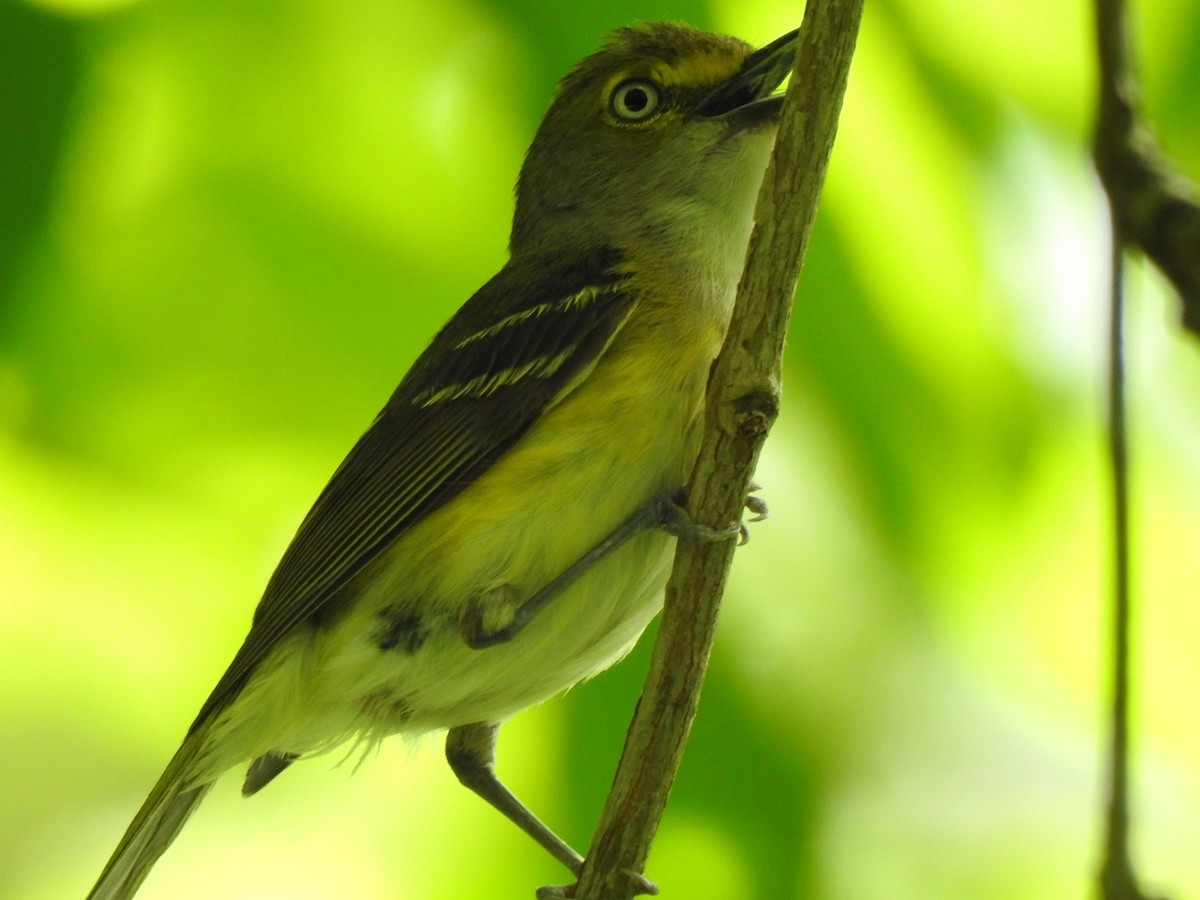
x=673 y=518
x=641 y=886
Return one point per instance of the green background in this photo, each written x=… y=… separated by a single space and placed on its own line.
x=227 y=228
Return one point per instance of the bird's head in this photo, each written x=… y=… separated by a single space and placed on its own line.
x=666 y=128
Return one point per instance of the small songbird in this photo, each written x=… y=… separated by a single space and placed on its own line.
x=506 y=525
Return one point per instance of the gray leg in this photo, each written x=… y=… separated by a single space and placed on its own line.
x=664 y=512
x=471 y=752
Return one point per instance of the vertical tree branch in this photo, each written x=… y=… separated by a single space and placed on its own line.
x=1151 y=206
x=742 y=404
x=1118 y=880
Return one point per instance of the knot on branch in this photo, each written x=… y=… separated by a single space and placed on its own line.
x=1156 y=205
x=755 y=413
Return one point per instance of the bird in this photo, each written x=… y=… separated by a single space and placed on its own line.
x=505 y=526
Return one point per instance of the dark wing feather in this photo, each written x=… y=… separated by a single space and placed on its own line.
x=493 y=370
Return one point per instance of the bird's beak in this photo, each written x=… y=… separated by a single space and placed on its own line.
x=746 y=98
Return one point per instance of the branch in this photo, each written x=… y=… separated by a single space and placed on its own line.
x=1156 y=206
x=742 y=404
x=1152 y=206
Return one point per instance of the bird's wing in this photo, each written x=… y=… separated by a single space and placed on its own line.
x=524 y=339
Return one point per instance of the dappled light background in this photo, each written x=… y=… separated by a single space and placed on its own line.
x=227 y=229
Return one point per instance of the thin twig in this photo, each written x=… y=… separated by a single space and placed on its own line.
x=743 y=401
x=1118 y=881
x=1153 y=207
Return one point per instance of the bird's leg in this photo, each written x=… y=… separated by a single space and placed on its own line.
x=664 y=512
x=471 y=752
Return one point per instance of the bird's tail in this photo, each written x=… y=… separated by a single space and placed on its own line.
x=173 y=799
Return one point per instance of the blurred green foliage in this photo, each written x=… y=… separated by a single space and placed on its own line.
x=226 y=230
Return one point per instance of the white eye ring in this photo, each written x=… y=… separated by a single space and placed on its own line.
x=636 y=99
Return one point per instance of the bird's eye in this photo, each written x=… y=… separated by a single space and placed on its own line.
x=636 y=99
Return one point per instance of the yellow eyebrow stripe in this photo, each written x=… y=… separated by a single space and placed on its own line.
x=697 y=69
